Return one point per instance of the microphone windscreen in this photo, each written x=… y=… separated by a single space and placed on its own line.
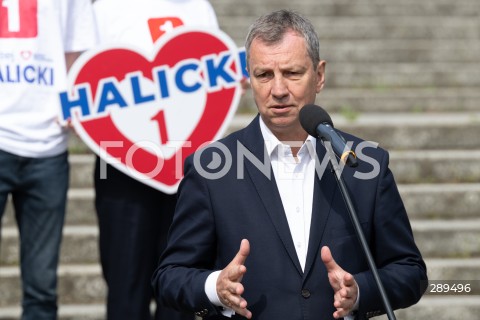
x=311 y=116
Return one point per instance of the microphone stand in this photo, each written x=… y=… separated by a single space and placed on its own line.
x=359 y=232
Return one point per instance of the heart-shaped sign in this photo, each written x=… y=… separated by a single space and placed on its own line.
x=145 y=113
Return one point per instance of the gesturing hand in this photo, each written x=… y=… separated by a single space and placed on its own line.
x=229 y=287
x=344 y=286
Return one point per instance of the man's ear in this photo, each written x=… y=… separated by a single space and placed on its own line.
x=320 y=75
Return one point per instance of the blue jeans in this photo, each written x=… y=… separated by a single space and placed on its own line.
x=38 y=187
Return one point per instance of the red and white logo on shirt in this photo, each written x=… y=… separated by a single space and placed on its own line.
x=18 y=18
x=159 y=26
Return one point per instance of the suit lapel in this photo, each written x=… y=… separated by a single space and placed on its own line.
x=267 y=189
x=325 y=187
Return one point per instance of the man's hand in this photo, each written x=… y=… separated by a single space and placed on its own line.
x=344 y=286
x=229 y=287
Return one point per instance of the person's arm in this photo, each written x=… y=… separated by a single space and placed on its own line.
x=399 y=262
x=79 y=29
x=79 y=32
x=70 y=58
x=189 y=258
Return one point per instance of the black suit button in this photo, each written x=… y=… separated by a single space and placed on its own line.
x=372 y=314
x=201 y=313
x=305 y=293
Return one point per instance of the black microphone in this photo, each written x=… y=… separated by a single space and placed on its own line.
x=316 y=121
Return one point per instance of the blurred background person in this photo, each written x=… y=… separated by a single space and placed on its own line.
x=39 y=40
x=134 y=218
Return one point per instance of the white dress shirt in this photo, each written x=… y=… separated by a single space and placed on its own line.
x=295 y=178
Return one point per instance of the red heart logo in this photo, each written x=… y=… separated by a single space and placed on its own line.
x=173 y=115
x=25 y=54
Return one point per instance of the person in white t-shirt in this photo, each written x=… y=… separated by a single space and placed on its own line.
x=39 y=40
x=133 y=217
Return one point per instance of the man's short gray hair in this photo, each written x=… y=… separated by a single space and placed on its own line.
x=271 y=28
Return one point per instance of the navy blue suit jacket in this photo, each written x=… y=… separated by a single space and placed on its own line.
x=214 y=215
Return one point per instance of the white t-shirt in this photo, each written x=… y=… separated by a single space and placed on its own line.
x=34 y=35
x=139 y=23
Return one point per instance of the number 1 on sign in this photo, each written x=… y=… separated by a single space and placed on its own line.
x=162 y=126
x=13 y=14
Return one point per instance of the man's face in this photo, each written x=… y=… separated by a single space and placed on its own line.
x=283 y=80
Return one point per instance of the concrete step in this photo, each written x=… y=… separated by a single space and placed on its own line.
x=393 y=131
x=448 y=238
x=79 y=245
x=422 y=201
x=401 y=75
x=409 y=166
x=77 y=284
x=384 y=100
x=80 y=208
x=376 y=51
x=82 y=289
x=453 y=269
x=435 y=238
x=418 y=26
x=367 y=28
x=81 y=168
x=441 y=201
x=439 y=308
x=346 y=8
x=65 y=312
x=350 y=102
x=436 y=166
x=404 y=131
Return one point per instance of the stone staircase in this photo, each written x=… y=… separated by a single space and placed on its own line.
x=402 y=73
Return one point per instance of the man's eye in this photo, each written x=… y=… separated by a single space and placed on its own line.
x=264 y=75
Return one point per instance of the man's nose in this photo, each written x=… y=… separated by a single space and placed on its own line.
x=279 y=87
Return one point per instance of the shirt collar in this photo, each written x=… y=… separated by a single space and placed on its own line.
x=272 y=142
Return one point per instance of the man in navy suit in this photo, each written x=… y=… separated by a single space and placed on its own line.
x=264 y=232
